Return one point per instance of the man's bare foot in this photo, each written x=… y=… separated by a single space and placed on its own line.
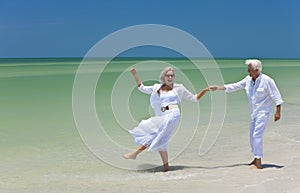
x=129 y=156
x=166 y=167
x=256 y=164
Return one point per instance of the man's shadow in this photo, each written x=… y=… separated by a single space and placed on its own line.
x=155 y=168
x=266 y=166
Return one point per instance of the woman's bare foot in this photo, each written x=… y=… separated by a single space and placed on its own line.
x=134 y=154
x=129 y=156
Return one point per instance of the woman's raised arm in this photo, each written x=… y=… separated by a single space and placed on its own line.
x=136 y=77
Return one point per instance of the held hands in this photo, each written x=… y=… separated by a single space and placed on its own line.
x=206 y=89
x=215 y=87
x=211 y=88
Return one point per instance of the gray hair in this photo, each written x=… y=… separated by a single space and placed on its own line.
x=164 y=72
x=255 y=64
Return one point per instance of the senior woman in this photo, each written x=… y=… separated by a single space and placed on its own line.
x=155 y=132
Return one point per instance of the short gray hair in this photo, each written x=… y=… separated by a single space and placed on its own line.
x=255 y=64
x=164 y=72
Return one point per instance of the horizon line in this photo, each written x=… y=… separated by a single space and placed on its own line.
x=153 y=57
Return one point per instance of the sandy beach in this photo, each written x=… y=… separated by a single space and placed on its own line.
x=42 y=151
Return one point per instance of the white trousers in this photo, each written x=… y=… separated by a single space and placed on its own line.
x=258 y=125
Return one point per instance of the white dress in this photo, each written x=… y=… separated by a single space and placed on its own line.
x=155 y=132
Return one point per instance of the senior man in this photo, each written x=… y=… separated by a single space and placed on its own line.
x=261 y=91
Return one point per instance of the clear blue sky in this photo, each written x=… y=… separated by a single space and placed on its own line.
x=232 y=28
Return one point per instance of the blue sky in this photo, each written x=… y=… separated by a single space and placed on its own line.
x=233 y=28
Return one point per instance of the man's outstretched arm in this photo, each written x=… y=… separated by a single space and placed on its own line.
x=215 y=87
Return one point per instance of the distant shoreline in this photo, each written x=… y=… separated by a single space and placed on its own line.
x=140 y=58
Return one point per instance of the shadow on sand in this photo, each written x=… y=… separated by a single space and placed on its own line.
x=266 y=166
x=155 y=168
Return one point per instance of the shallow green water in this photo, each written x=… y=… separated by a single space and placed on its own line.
x=37 y=127
x=36 y=94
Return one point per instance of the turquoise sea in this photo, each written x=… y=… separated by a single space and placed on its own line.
x=44 y=150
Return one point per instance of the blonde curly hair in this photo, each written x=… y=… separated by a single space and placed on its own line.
x=164 y=72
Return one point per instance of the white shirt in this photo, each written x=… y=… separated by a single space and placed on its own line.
x=172 y=97
x=260 y=93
